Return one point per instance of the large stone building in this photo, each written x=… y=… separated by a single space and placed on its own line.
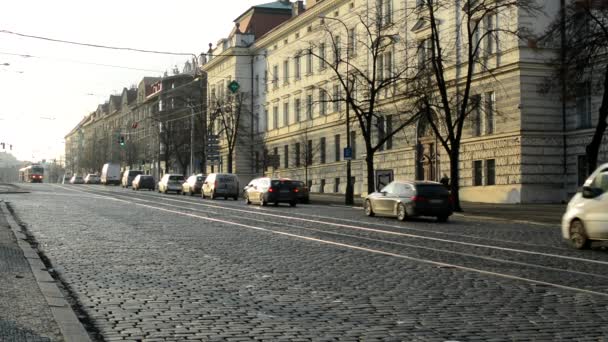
x=519 y=147
x=147 y=127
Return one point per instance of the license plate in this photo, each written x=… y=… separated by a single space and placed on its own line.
x=436 y=201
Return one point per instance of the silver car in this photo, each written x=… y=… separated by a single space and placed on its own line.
x=171 y=182
x=403 y=199
x=586 y=218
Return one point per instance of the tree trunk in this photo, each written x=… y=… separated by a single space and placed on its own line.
x=230 y=161
x=455 y=176
x=369 y=161
x=592 y=150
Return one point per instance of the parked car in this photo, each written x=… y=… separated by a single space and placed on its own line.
x=193 y=185
x=586 y=217
x=303 y=192
x=221 y=185
x=66 y=179
x=403 y=199
x=77 y=179
x=268 y=190
x=143 y=182
x=110 y=174
x=91 y=178
x=128 y=177
x=171 y=182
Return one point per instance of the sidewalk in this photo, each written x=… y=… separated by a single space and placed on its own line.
x=6 y=188
x=32 y=308
x=550 y=214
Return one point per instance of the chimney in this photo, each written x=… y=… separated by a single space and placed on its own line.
x=297 y=8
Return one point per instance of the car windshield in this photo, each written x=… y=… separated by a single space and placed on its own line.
x=176 y=178
x=199 y=179
x=37 y=169
x=225 y=179
x=282 y=184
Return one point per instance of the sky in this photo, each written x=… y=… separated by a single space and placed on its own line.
x=44 y=96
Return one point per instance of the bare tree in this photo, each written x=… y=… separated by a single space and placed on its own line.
x=366 y=57
x=446 y=100
x=580 y=34
x=229 y=112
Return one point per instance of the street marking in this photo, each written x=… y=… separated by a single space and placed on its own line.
x=395 y=233
x=364 y=249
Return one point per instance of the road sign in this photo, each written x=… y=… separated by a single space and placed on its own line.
x=234 y=86
x=348 y=153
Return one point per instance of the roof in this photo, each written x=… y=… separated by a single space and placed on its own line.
x=275 y=5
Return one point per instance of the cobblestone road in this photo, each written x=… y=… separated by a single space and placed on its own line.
x=157 y=267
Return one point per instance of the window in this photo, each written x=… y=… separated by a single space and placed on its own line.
x=337 y=97
x=380 y=124
x=583 y=105
x=476 y=115
x=490 y=39
x=296 y=66
x=477 y=173
x=286 y=71
x=257 y=162
x=286 y=113
x=266 y=80
x=309 y=153
x=309 y=106
x=384 y=12
x=583 y=170
x=490 y=172
x=275 y=152
x=322 y=57
x=389 y=129
x=286 y=156
x=275 y=76
x=297 y=109
x=322 y=186
x=423 y=53
x=309 y=63
x=353 y=143
x=256 y=89
x=337 y=184
x=322 y=150
x=337 y=50
x=275 y=117
x=352 y=42
x=298 y=163
x=337 y=149
x=256 y=123
x=489 y=112
x=322 y=102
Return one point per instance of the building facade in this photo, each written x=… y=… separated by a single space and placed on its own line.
x=514 y=148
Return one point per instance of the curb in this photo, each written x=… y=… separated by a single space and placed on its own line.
x=69 y=325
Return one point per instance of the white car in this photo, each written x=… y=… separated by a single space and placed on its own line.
x=586 y=218
x=171 y=182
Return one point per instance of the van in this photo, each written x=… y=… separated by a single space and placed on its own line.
x=128 y=177
x=221 y=185
x=110 y=174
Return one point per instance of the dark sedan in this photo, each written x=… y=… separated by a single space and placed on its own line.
x=143 y=182
x=267 y=190
x=404 y=199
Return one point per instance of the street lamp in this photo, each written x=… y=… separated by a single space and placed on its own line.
x=349 y=195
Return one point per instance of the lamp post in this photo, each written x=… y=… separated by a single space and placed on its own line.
x=349 y=195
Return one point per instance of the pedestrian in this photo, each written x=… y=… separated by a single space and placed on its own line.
x=445 y=180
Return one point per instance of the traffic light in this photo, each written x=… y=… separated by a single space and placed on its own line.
x=122 y=141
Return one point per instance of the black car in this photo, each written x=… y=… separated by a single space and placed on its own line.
x=268 y=190
x=144 y=182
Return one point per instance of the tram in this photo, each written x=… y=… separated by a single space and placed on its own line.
x=31 y=174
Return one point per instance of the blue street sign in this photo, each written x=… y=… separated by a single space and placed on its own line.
x=348 y=153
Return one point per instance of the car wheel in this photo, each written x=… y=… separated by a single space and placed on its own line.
x=191 y=193
x=443 y=218
x=292 y=203
x=578 y=236
x=236 y=198
x=401 y=212
x=212 y=196
x=368 y=208
x=247 y=201
x=262 y=202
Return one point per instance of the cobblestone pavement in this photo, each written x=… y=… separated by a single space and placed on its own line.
x=24 y=313
x=154 y=267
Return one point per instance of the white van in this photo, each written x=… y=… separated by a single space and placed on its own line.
x=110 y=174
x=586 y=218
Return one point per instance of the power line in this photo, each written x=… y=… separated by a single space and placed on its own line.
x=101 y=46
x=76 y=61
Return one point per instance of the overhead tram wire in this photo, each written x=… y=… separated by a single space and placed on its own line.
x=122 y=48
x=79 y=62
